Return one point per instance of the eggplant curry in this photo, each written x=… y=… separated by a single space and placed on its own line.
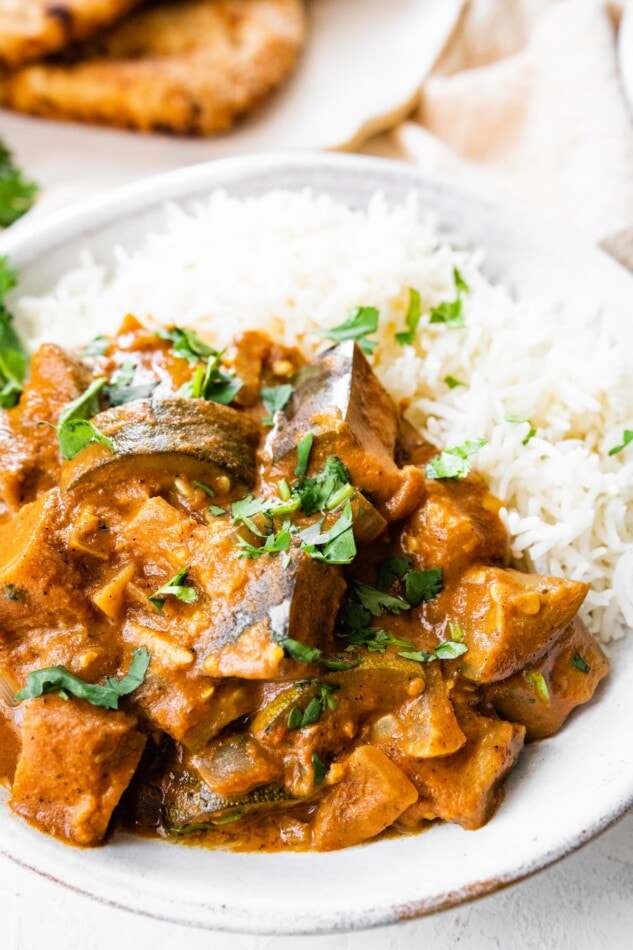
x=242 y=600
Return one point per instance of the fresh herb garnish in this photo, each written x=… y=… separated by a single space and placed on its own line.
x=120 y=392
x=96 y=347
x=627 y=438
x=538 y=682
x=205 y=488
x=303 y=654
x=452 y=382
x=320 y=769
x=450 y=312
x=393 y=569
x=275 y=543
x=85 y=406
x=512 y=417
x=377 y=601
x=13 y=355
x=17 y=594
x=360 y=323
x=412 y=319
x=334 y=546
x=57 y=679
x=328 y=489
x=580 y=663
x=374 y=639
x=454 y=462
x=300 y=718
x=175 y=587
x=16 y=193
x=423 y=585
x=275 y=398
x=216 y=510
x=78 y=434
x=211 y=383
x=304 y=448
x=449 y=650
x=187 y=344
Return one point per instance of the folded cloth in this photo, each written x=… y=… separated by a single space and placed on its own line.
x=526 y=97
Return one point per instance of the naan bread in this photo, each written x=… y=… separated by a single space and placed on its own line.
x=187 y=68
x=33 y=28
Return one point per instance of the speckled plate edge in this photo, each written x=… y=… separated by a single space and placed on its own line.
x=398 y=878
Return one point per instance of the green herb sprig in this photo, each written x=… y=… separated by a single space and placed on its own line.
x=454 y=462
x=17 y=193
x=360 y=323
x=175 y=587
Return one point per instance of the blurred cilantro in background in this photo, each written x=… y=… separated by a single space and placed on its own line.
x=16 y=193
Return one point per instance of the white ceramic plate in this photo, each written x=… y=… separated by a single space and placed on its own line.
x=363 y=65
x=564 y=791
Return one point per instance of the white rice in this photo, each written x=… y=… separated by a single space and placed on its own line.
x=288 y=263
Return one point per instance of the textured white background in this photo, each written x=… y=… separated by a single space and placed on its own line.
x=582 y=903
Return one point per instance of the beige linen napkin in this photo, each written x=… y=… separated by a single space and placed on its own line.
x=526 y=97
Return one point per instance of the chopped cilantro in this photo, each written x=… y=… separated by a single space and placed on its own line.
x=452 y=382
x=175 y=587
x=57 y=679
x=13 y=355
x=216 y=510
x=187 y=344
x=374 y=639
x=275 y=398
x=96 y=347
x=536 y=679
x=580 y=663
x=377 y=601
x=453 y=462
x=17 y=194
x=423 y=585
x=274 y=544
x=76 y=434
x=627 y=438
x=449 y=650
x=412 y=319
x=450 y=312
x=304 y=448
x=512 y=417
x=393 y=569
x=327 y=489
x=360 y=323
x=320 y=769
x=299 y=719
x=211 y=383
x=120 y=391
x=334 y=546
x=303 y=654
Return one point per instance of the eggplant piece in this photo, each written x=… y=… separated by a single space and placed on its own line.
x=338 y=398
x=234 y=765
x=190 y=805
x=543 y=696
x=269 y=603
x=173 y=437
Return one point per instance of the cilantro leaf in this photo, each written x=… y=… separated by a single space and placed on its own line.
x=96 y=347
x=304 y=448
x=13 y=355
x=360 y=323
x=275 y=398
x=512 y=417
x=175 y=587
x=412 y=319
x=320 y=769
x=538 y=682
x=453 y=462
x=627 y=438
x=76 y=434
x=327 y=489
x=375 y=640
x=303 y=654
x=453 y=383
x=57 y=679
x=120 y=392
x=449 y=650
x=85 y=406
x=580 y=663
x=274 y=544
x=187 y=344
x=299 y=719
x=17 y=194
x=334 y=546
x=211 y=383
x=423 y=585
x=393 y=569
x=450 y=312
x=377 y=601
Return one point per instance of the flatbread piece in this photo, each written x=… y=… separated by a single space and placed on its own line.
x=30 y=29
x=187 y=68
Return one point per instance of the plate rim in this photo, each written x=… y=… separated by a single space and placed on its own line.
x=30 y=238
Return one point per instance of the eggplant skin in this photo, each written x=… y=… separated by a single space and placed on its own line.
x=169 y=434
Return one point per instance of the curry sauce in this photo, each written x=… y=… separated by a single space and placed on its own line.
x=245 y=605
